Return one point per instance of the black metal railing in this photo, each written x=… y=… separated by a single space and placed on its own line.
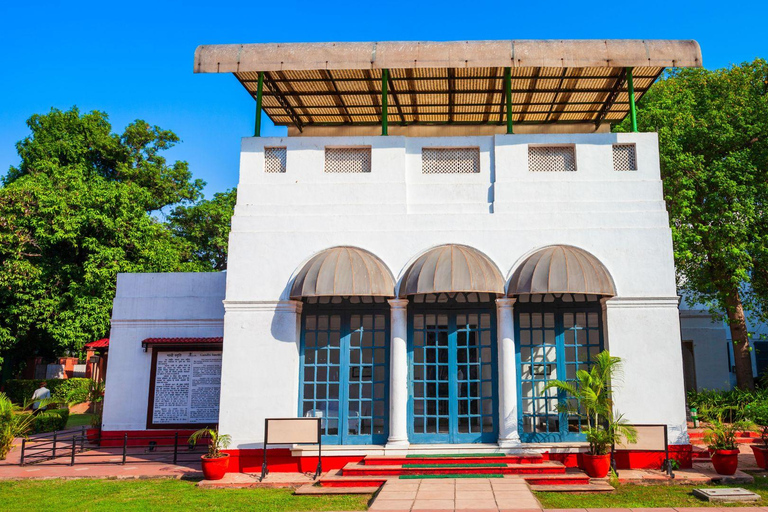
x=76 y=448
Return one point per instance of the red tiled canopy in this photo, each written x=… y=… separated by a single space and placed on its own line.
x=102 y=343
x=182 y=341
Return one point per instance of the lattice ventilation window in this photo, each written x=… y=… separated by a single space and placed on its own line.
x=551 y=158
x=347 y=160
x=624 y=157
x=450 y=160
x=274 y=159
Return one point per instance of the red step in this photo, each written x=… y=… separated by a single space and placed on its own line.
x=353 y=469
x=564 y=479
x=489 y=459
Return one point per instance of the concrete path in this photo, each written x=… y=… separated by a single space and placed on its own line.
x=510 y=493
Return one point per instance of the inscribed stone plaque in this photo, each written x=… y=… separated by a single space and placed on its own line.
x=187 y=386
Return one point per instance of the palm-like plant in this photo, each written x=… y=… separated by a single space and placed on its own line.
x=218 y=441
x=593 y=395
x=13 y=423
x=89 y=391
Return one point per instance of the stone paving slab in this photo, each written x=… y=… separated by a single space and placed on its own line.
x=477 y=494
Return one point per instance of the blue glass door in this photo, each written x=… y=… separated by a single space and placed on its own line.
x=344 y=374
x=553 y=341
x=453 y=377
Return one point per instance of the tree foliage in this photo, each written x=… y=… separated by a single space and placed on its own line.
x=83 y=205
x=713 y=137
x=205 y=226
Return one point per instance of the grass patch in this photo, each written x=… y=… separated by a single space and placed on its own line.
x=159 y=494
x=79 y=420
x=459 y=475
x=456 y=465
x=640 y=496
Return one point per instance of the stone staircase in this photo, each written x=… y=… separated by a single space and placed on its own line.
x=369 y=474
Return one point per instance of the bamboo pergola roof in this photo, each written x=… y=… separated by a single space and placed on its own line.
x=442 y=83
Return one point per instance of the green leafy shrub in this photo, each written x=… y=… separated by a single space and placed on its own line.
x=729 y=405
x=20 y=390
x=13 y=424
x=50 y=421
x=757 y=412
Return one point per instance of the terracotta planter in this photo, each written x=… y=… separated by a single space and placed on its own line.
x=761 y=455
x=215 y=469
x=596 y=466
x=726 y=462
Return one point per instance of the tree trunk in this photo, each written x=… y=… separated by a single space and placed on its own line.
x=742 y=350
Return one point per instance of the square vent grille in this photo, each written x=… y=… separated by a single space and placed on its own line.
x=551 y=158
x=347 y=160
x=450 y=160
x=274 y=159
x=624 y=157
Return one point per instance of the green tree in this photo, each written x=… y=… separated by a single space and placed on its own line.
x=713 y=137
x=82 y=206
x=205 y=227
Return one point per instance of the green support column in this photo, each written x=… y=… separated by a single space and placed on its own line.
x=259 y=89
x=508 y=94
x=384 y=102
x=631 y=93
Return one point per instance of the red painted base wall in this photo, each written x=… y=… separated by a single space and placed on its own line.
x=280 y=460
x=634 y=459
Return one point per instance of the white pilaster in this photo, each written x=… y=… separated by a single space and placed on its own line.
x=645 y=333
x=398 y=371
x=508 y=434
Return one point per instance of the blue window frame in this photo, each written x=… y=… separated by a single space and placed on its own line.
x=556 y=335
x=452 y=385
x=345 y=370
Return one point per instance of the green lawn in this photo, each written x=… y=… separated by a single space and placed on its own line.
x=158 y=494
x=637 y=496
x=78 y=420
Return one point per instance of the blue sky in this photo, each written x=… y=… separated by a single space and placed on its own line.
x=134 y=59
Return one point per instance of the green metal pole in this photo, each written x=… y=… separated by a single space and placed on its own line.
x=259 y=89
x=508 y=94
x=384 y=102
x=631 y=93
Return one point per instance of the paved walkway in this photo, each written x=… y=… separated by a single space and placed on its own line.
x=476 y=494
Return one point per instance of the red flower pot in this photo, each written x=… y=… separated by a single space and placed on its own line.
x=215 y=469
x=761 y=457
x=596 y=466
x=726 y=462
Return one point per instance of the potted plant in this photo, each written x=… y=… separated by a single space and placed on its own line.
x=215 y=463
x=721 y=441
x=757 y=412
x=594 y=404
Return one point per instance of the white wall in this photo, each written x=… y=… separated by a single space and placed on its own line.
x=167 y=305
x=396 y=212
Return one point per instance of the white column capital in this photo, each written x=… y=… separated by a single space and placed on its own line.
x=398 y=303
x=505 y=302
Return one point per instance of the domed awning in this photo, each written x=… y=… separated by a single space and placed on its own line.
x=561 y=269
x=452 y=268
x=343 y=271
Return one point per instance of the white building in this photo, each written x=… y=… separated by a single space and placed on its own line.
x=407 y=267
x=708 y=360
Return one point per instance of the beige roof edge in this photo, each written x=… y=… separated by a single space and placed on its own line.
x=233 y=58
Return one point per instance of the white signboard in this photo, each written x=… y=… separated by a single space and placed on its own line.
x=187 y=387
